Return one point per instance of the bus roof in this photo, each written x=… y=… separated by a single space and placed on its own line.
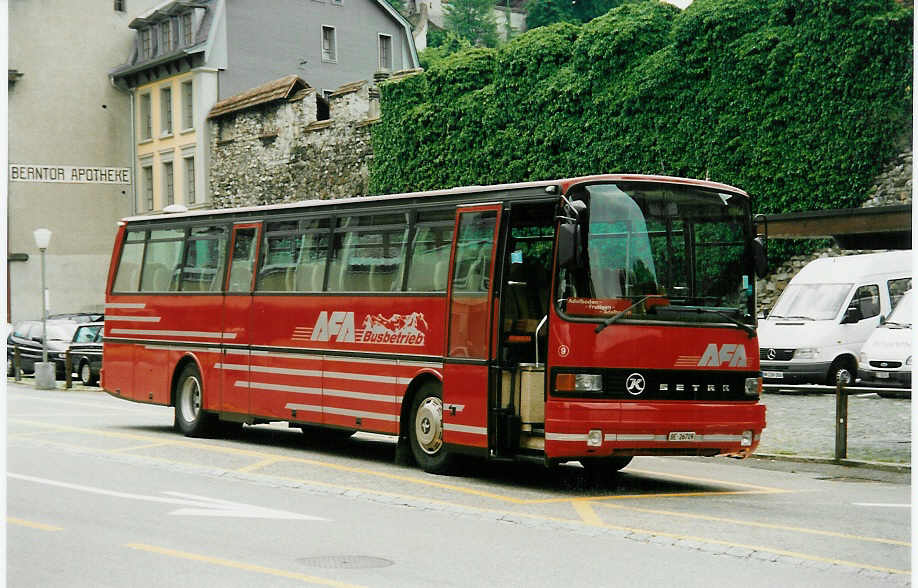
x=565 y=184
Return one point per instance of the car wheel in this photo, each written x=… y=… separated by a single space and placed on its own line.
x=9 y=366
x=425 y=431
x=842 y=372
x=86 y=375
x=190 y=417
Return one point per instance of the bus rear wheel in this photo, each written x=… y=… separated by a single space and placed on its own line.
x=426 y=430
x=190 y=417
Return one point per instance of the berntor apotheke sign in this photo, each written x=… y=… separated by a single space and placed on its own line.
x=69 y=174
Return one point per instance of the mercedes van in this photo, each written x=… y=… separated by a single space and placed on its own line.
x=815 y=332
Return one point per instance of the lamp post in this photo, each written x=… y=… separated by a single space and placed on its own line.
x=44 y=371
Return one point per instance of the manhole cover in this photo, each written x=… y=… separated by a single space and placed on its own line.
x=345 y=562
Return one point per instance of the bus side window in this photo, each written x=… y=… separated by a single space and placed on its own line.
x=204 y=260
x=430 y=258
x=162 y=262
x=127 y=276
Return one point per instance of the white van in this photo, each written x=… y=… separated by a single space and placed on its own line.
x=886 y=357
x=825 y=314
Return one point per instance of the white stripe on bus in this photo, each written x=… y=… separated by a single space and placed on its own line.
x=181 y=348
x=344 y=412
x=362 y=396
x=132 y=305
x=194 y=334
x=465 y=429
x=133 y=319
x=279 y=387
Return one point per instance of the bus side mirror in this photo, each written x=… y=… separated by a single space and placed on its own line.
x=760 y=257
x=567 y=245
x=852 y=315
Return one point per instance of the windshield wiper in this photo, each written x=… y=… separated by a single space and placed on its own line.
x=619 y=314
x=899 y=325
x=750 y=330
x=805 y=318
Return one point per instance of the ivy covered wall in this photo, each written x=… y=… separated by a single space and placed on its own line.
x=798 y=102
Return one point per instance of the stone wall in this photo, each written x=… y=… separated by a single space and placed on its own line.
x=892 y=186
x=283 y=151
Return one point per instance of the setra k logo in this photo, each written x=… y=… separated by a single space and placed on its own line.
x=635 y=384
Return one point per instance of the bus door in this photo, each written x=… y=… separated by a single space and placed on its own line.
x=469 y=326
x=237 y=309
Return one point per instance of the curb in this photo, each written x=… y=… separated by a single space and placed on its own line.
x=854 y=463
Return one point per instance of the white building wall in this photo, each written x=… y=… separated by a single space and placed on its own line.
x=63 y=111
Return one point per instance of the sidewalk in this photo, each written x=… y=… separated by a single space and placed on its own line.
x=802 y=428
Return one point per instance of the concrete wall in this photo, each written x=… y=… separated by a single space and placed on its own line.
x=64 y=111
x=294 y=43
x=280 y=153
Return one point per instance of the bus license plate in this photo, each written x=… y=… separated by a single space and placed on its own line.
x=773 y=375
x=682 y=436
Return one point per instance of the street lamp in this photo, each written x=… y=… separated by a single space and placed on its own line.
x=44 y=371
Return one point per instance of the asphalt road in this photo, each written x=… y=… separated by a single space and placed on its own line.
x=102 y=492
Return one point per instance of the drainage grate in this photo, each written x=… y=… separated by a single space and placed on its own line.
x=345 y=562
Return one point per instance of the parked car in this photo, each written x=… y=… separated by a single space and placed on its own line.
x=27 y=336
x=886 y=358
x=86 y=352
x=825 y=314
x=79 y=317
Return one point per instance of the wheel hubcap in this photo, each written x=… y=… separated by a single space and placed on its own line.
x=85 y=373
x=191 y=399
x=843 y=376
x=428 y=425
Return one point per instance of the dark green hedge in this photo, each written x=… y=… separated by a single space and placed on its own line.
x=799 y=102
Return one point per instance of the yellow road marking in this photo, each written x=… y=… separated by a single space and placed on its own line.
x=590 y=518
x=658 y=495
x=32 y=524
x=585 y=511
x=261 y=464
x=261 y=455
x=144 y=446
x=228 y=563
x=805 y=530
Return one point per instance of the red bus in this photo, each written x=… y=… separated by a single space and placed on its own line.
x=589 y=319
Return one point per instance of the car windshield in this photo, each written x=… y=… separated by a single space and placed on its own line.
x=661 y=252
x=86 y=334
x=816 y=302
x=902 y=314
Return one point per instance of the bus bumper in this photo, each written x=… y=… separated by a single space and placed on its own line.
x=578 y=429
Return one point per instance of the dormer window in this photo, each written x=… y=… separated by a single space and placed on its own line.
x=187 y=29
x=166 y=36
x=146 y=43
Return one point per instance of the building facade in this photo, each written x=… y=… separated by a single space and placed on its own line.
x=69 y=149
x=190 y=54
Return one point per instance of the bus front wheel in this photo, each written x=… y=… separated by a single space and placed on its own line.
x=426 y=430
x=190 y=417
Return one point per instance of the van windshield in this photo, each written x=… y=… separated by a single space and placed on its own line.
x=902 y=314
x=816 y=302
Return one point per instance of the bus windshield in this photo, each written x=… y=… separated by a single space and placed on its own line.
x=661 y=252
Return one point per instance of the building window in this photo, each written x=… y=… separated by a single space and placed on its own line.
x=146 y=43
x=165 y=35
x=187 y=105
x=165 y=104
x=146 y=118
x=148 y=187
x=119 y=6
x=329 y=44
x=189 y=180
x=168 y=184
x=385 y=53
x=187 y=30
